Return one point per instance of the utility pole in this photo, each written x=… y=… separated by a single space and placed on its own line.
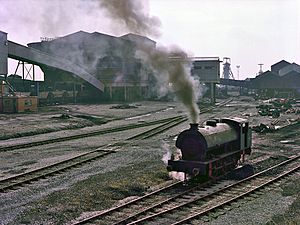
x=238 y=71
x=260 y=68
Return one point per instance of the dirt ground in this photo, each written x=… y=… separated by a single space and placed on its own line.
x=132 y=171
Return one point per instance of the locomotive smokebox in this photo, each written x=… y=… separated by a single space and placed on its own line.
x=191 y=143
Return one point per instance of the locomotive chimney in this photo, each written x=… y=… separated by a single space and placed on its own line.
x=194 y=126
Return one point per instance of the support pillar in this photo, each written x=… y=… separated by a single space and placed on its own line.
x=37 y=88
x=125 y=93
x=36 y=84
x=3 y=53
x=213 y=93
x=74 y=93
x=110 y=92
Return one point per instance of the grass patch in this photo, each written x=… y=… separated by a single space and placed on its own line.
x=27 y=163
x=45 y=130
x=268 y=163
x=256 y=155
x=292 y=215
x=46 y=109
x=98 y=192
x=15 y=171
x=291 y=189
x=93 y=119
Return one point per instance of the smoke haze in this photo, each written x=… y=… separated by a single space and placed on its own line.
x=170 y=66
x=130 y=12
x=172 y=70
x=27 y=20
x=58 y=18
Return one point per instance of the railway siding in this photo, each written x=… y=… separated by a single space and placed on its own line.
x=128 y=174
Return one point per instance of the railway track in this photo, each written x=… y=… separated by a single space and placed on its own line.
x=27 y=177
x=189 y=204
x=23 y=178
x=122 y=210
x=89 y=134
x=100 y=132
x=33 y=175
x=172 y=123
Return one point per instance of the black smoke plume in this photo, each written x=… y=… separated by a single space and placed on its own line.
x=130 y=12
x=172 y=63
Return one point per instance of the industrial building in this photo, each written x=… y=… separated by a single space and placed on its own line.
x=109 y=59
x=92 y=67
x=112 y=61
x=282 y=81
x=207 y=70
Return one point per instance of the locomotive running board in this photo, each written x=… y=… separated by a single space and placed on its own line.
x=198 y=167
x=187 y=166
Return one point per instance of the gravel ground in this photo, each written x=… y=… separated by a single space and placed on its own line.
x=132 y=171
x=255 y=211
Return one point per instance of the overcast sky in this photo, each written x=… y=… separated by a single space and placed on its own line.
x=247 y=31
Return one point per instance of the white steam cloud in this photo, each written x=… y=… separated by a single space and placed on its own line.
x=166 y=156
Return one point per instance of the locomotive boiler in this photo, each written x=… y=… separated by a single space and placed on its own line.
x=212 y=149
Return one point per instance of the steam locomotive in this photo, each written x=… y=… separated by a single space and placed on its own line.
x=213 y=149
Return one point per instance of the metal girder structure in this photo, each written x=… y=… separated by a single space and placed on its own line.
x=28 y=70
x=236 y=83
x=227 y=73
x=30 y=55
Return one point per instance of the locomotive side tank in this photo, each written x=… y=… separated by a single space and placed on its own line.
x=212 y=149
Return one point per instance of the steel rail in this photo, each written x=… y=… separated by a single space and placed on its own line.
x=150 y=208
x=173 y=122
x=14 y=181
x=33 y=175
x=134 y=201
x=160 y=129
x=202 y=197
x=89 y=134
x=99 y=132
x=280 y=176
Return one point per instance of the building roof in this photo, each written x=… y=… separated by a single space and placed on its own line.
x=289 y=68
x=279 y=65
x=291 y=80
x=133 y=37
x=205 y=59
x=267 y=79
x=270 y=80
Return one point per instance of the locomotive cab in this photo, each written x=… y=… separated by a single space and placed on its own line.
x=244 y=132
